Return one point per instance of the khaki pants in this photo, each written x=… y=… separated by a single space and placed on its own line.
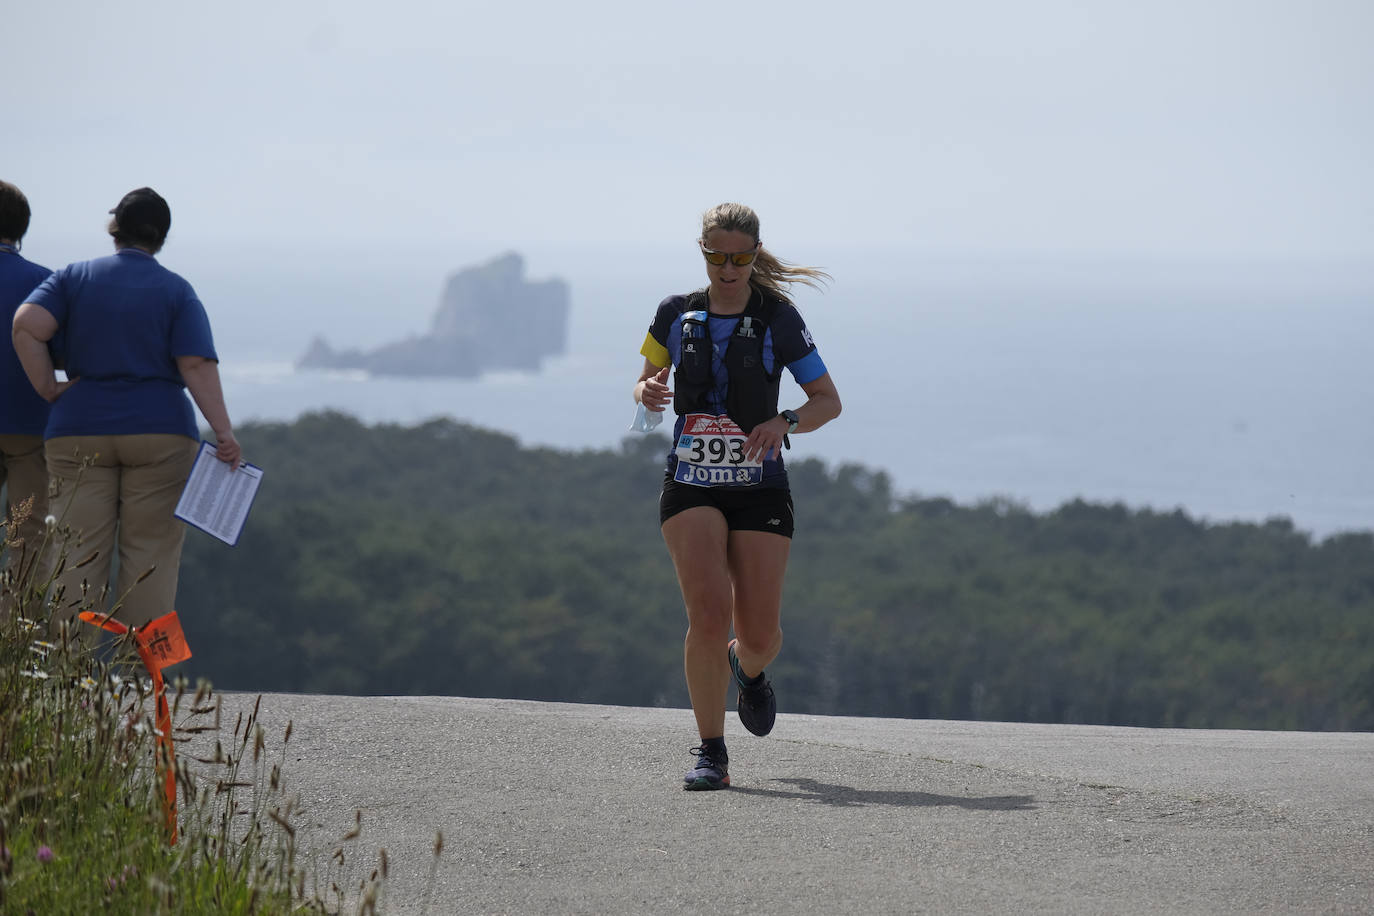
x=24 y=475
x=122 y=500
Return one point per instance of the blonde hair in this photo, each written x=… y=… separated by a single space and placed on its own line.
x=771 y=273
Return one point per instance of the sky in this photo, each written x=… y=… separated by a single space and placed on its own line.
x=1199 y=130
x=1039 y=188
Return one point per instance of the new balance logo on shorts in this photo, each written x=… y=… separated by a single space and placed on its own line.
x=775 y=521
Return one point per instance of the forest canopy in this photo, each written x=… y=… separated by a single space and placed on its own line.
x=442 y=559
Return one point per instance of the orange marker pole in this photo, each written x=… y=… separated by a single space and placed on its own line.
x=166 y=754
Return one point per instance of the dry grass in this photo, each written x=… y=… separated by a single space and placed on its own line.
x=83 y=819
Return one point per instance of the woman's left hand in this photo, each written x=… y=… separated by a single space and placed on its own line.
x=765 y=437
x=60 y=387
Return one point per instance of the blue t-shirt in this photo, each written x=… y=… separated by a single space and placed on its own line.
x=786 y=343
x=22 y=411
x=122 y=322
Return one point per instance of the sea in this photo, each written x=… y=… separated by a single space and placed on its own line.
x=1233 y=390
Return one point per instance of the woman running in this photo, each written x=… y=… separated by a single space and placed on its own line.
x=726 y=509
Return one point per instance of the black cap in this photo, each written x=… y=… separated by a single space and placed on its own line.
x=143 y=212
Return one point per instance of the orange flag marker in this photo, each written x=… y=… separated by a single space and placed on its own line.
x=161 y=644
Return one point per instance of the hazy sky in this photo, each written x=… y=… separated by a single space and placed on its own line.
x=1140 y=128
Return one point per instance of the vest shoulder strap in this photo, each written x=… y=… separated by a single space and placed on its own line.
x=762 y=305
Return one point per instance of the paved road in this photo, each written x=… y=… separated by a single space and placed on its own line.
x=560 y=808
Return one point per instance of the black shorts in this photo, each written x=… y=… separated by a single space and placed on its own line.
x=745 y=508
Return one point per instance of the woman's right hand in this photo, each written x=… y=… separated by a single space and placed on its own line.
x=654 y=392
x=227 y=449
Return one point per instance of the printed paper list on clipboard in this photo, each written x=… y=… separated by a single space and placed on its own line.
x=216 y=500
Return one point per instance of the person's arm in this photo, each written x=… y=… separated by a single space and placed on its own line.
x=822 y=405
x=201 y=376
x=652 y=388
x=33 y=327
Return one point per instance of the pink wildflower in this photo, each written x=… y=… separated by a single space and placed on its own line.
x=45 y=854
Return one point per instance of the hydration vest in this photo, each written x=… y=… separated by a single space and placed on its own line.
x=751 y=394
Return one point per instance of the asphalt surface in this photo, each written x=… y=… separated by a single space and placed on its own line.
x=561 y=808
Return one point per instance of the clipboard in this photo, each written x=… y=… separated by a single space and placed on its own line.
x=216 y=499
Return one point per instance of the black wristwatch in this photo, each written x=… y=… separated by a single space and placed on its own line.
x=792 y=420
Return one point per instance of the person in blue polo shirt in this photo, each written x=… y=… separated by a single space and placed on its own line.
x=122 y=436
x=23 y=414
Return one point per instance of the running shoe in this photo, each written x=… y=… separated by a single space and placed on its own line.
x=709 y=773
x=757 y=706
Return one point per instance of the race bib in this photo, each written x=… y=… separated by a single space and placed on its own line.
x=710 y=453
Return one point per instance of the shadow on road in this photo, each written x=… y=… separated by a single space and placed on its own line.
x=845 y=797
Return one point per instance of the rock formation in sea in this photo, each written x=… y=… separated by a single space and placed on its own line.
x=489 y=318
